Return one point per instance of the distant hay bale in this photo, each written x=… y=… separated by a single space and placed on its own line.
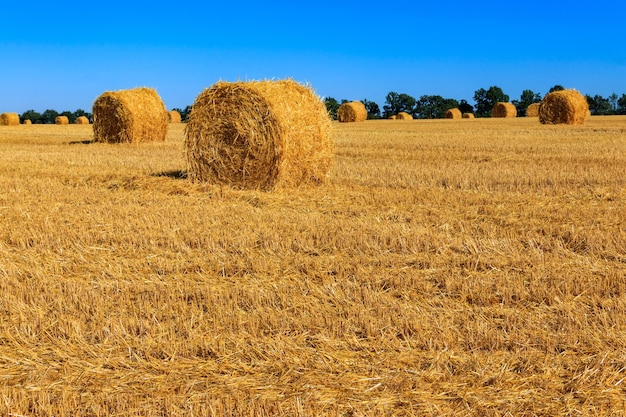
x=174 y=116
x=134 y=115
x=453 y=114
x=82 y=120
x=468 y=115
x=61 y=120
x=393 y=117
x=9 y=119
x=564 y=106
x=403 y=116
x=259 y=135
x=353 y=111
x=27 y=122
x=532 y=110
x=504 y=110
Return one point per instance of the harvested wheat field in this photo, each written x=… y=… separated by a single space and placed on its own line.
x=443 y=269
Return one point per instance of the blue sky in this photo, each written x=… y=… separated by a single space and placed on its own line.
x=62 y=56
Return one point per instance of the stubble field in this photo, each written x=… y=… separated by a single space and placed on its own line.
x=458 y=268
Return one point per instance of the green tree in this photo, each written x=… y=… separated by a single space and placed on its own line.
x=81 y=112
x=396 y=103
x=613 y=99
x=486 y=99
x=557 y=87
x=465 y=107
x=599 y=105
x=49 y=116
x=31 y=115
x=621 y=104
x=434 y=107
x=70 y=116
x=373 y=111
x=527 y=98
x=332 y=106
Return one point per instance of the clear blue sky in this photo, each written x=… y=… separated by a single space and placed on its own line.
x=63 y=55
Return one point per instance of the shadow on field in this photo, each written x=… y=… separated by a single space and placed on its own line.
x=176 y=174
x=82 y=142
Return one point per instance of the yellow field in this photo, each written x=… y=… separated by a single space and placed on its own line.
x=448 y=267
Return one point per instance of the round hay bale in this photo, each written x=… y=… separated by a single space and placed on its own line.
x=468 y=115
x=564 y=106
x=504 y=110
x=393 y=117
x=403 y=116
x=62 y=120
x=174 y=116
x=9 y=119
x=82 y=120
x=259 y=135
x=532 y=110
x=453 y=114
x=353 y=111
x=27 y=122
x=134 y=115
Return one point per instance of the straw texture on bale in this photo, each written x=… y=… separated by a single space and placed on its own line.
x=259 y=135
x=565 y=106
x=9 y=119
x=353 y=111
x=174 y=117
x=453 y=114
x=403 y=116
x=134 y=115
x=62 y=120
x=504 y=110
x=468 y=115
x=82 y=120
x=27 y=122
x=532 y=110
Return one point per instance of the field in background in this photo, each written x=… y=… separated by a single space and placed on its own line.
x=449 y=267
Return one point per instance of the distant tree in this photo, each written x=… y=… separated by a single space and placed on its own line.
x=332 y=106
x=70 y=116
x=49 y=116
x=621 y=104
x=557 y=87
x=396 y=103
x=486 y=99
x=80 y=112
x=184 y=113
x=373 y=111
x=465 y=107
x=31 y=115
x=527 y=98
x=599 y=105
x=434 y=107
x=613 y=99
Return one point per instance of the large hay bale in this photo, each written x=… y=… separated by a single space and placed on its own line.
x=532 y=110
x=82 y=120
x=259 y=134
x=353 y=111
x=564 y=106
x=403 y=116
x=174 y=116
x=134 y=115
x=453 y=114
x=9 y=119
x=503 y=110
x=468 y=115
x=62 y=120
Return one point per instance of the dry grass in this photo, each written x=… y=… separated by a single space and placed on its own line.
x=444 y=269
x=259 y=134
x=353 y=111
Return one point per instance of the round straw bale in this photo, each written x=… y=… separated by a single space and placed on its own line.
x=468 y=115
x=504 y=110
x=259 y=135
x=134 y=115
x=453 y=114
x=393 y=117
x=532 y=110
x=403 y=116
x=564 y=106
x=27 y=122
x=353 y=111
x=9 y=119
x=174 y=117
x=61 y=120
x=82 y=120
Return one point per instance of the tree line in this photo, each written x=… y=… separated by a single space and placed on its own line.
x=435 y=106
x=426 y=107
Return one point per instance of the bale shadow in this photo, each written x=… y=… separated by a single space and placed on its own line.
x=175 y=174
x=82 y=142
